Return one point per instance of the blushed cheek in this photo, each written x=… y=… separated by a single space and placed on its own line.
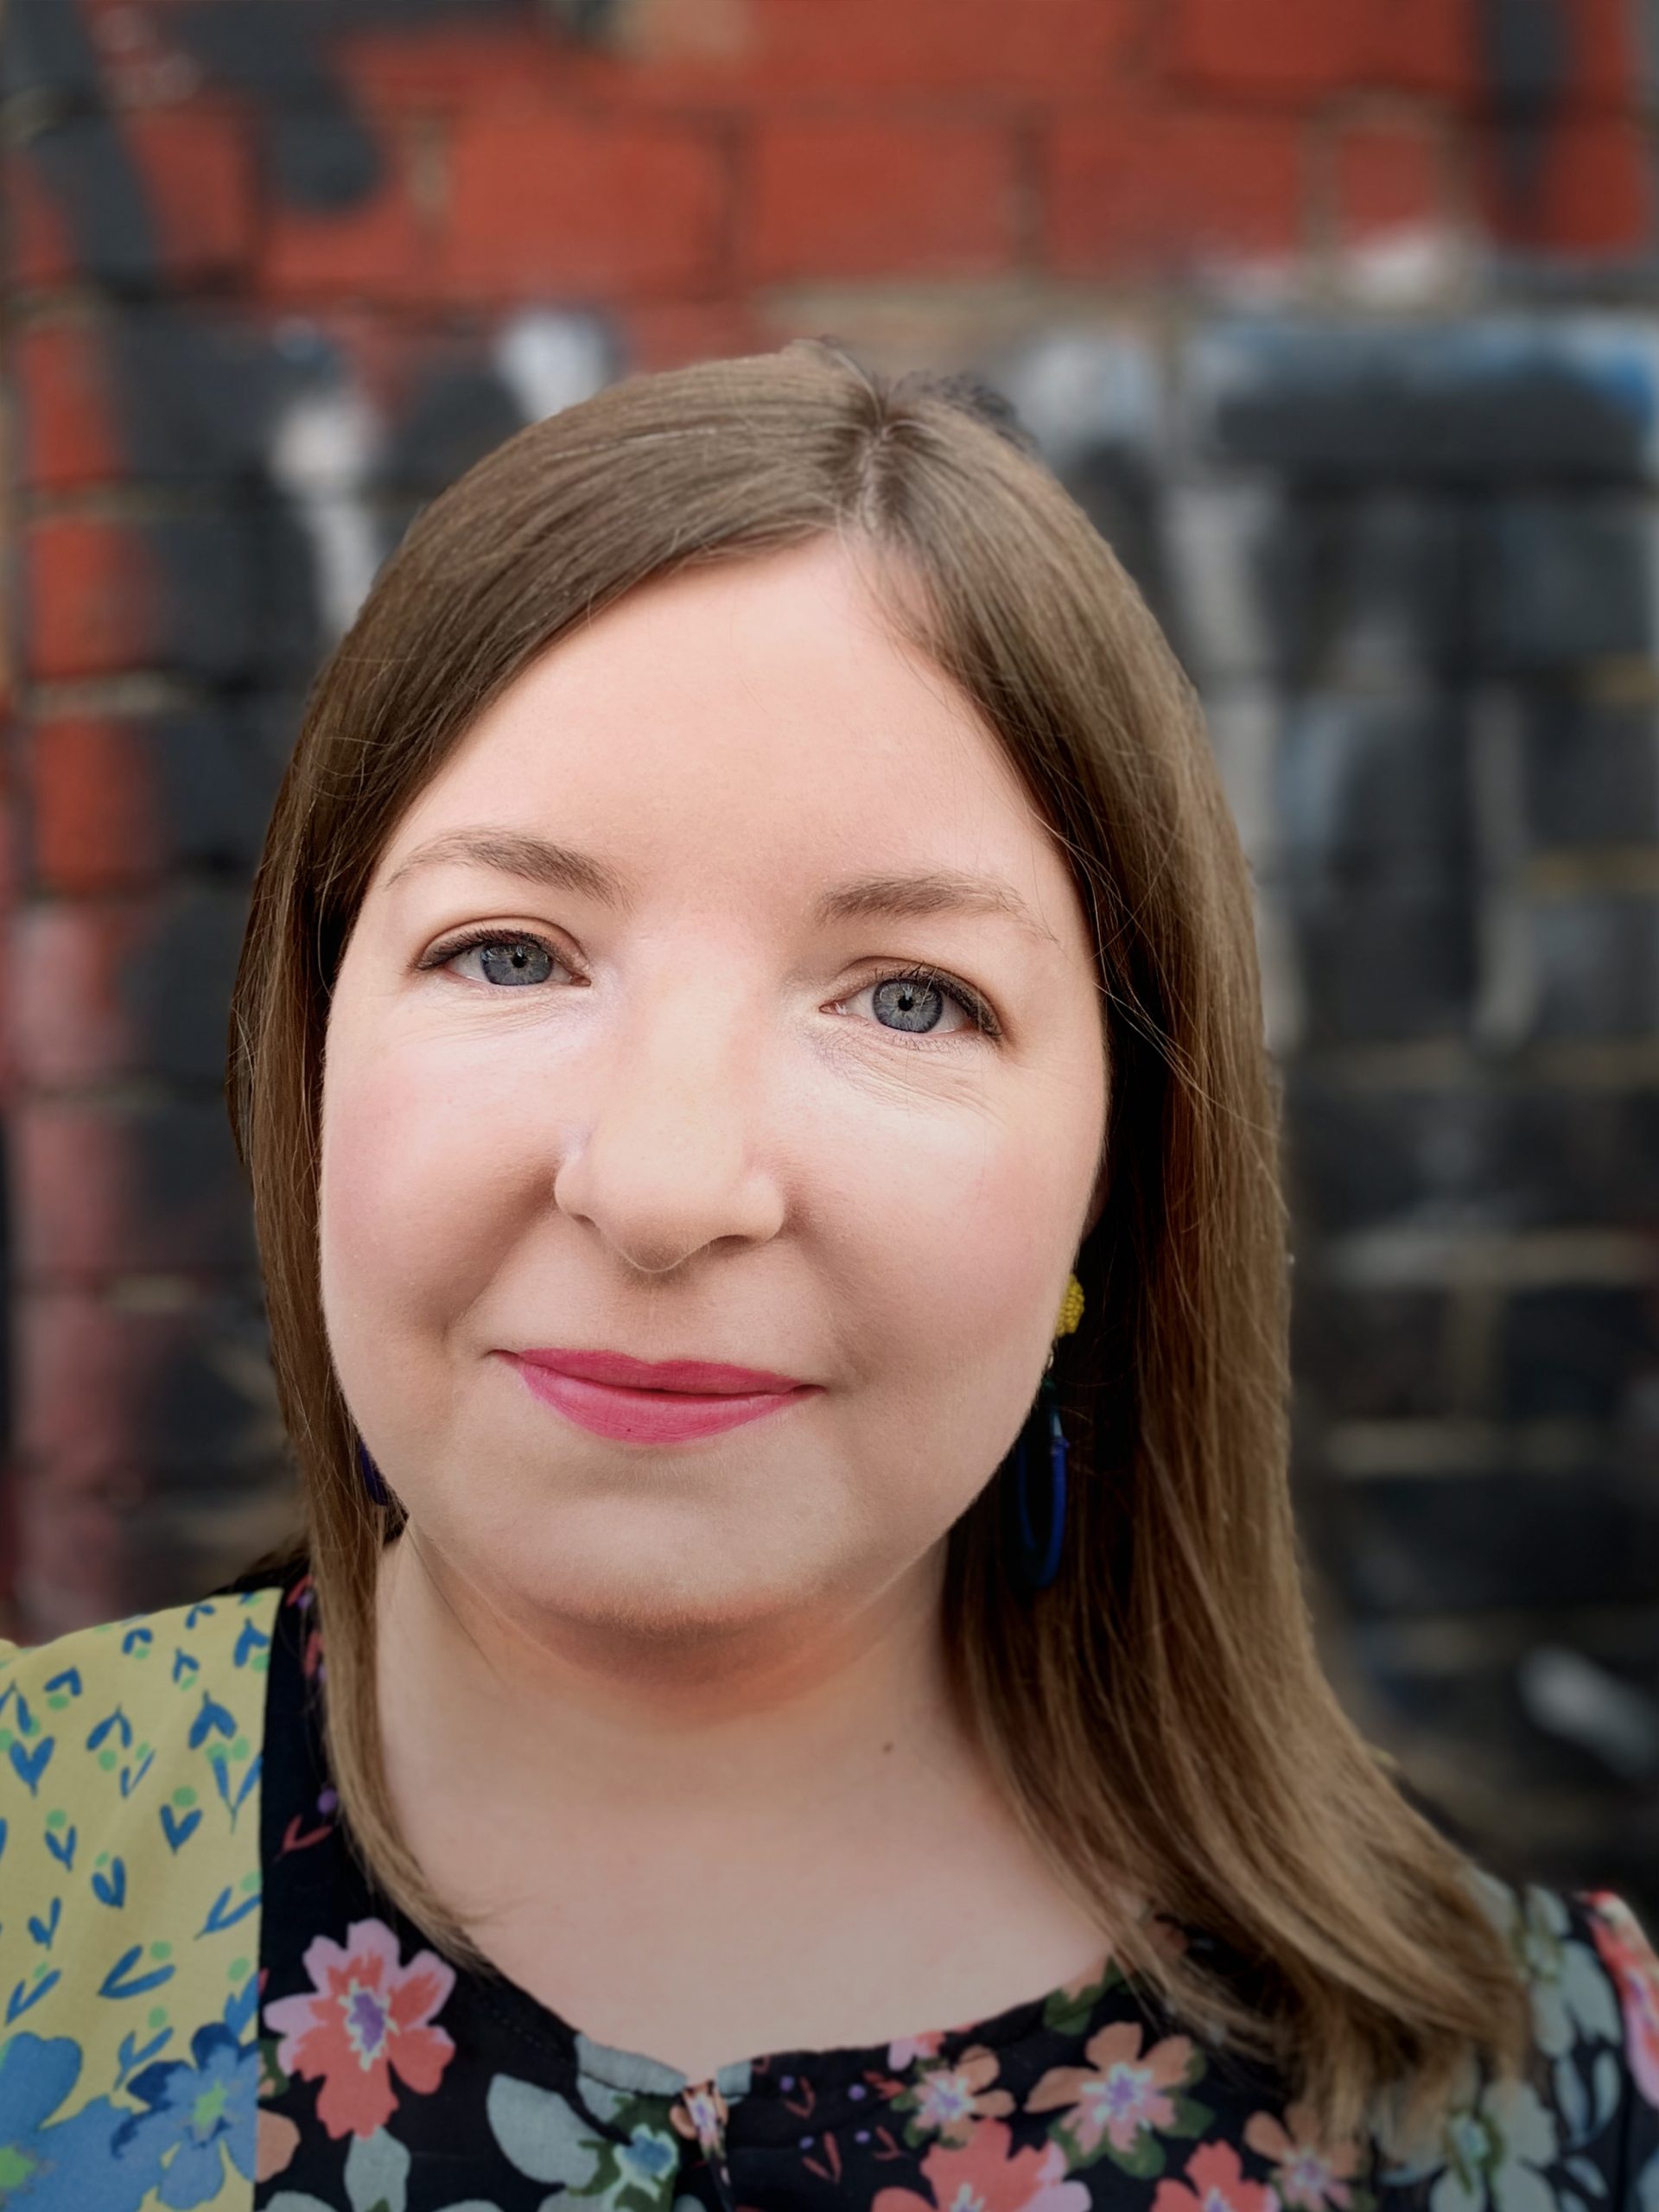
x=414 y=1217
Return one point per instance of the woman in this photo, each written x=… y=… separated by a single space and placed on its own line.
x=750 y=984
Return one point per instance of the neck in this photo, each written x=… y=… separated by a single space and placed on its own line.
x=794 y=1713
x=758 y=1842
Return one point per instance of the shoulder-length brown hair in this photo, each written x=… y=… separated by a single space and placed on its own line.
x=1160 y=1714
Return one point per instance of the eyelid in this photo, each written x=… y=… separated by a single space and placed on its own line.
x=978 y=1009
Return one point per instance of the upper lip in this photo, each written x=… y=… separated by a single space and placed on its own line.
x=708 y=1378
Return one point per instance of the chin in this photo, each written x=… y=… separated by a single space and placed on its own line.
x=668 y=1594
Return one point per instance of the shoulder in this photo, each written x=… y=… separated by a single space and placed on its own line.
x=74 y=1709
x=202 y=1626
x=129 y=1857
x=1580 y=2130
x=1591 y=1975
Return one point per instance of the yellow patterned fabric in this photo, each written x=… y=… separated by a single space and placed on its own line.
x=130 y=1757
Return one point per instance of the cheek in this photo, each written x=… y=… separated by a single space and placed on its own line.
x=988 y=1229
x=415 y=1195
x=992 y=1276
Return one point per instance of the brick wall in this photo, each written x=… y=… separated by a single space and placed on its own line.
x=1342 y=317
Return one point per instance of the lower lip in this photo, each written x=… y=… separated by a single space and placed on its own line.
x=650 y=1416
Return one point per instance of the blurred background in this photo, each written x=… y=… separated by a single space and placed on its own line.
x=1341 y=317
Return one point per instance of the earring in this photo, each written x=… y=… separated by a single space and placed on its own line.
x=1036 y=1564
x=373 y=1481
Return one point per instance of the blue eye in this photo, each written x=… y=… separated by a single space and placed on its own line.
x=507 y=960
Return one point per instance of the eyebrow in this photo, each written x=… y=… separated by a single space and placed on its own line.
x=562 y=867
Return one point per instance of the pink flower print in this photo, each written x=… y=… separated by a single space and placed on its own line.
x=1629 y=1958
x=980 y=2176
x=275 y=2141
x=1120 y=2094
x=948 y=2099
x=1306 y=2173
x=275 y=2137
x=909 y=2048
x=364 y=2016
x=700 y=2113
x=1218 y=2185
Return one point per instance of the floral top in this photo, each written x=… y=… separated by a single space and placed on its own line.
x=202 y=2002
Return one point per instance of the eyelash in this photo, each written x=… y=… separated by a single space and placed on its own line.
x=984 y=1020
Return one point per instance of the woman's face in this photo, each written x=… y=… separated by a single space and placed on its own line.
x=673 y=1107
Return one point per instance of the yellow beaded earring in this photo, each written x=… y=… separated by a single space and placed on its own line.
x=1071 y=1314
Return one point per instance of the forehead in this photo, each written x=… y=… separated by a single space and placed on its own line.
x=753 y=716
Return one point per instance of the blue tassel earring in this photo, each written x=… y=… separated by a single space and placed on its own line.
x=373 y=1482
x=1038 y=1560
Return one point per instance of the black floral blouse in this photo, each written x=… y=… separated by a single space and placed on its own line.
x=391 y=2082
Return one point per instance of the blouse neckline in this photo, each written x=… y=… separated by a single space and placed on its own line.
x=298 y=1670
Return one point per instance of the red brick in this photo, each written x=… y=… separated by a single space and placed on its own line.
x=544 y=202
x=92 y=607
x=69 y=1025
x=1299 y=46
x=381 y=249
x=196 y=172
x=1145 y=186
x=86 y=1367
x=72 y=1180
x=934 y=47
x=67 y=430
x=665 y=333
x=93 y=806
x=743 y=54
x=37 y=251
x=655 y=54
x=1605 y=67
x=1592 y=191
x=1389 y=176
x=855 y=196
x=1431 y=45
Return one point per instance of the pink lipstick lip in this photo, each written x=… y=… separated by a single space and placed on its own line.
x=649 y=1416
x=702 y=1378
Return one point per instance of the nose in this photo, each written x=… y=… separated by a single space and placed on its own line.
x=675 y=1152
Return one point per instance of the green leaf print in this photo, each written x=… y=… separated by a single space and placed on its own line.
x=542 y=2134
x=376 y=2173
x=1068 y=2010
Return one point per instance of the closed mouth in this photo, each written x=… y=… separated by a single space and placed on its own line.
x=679 y=1378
